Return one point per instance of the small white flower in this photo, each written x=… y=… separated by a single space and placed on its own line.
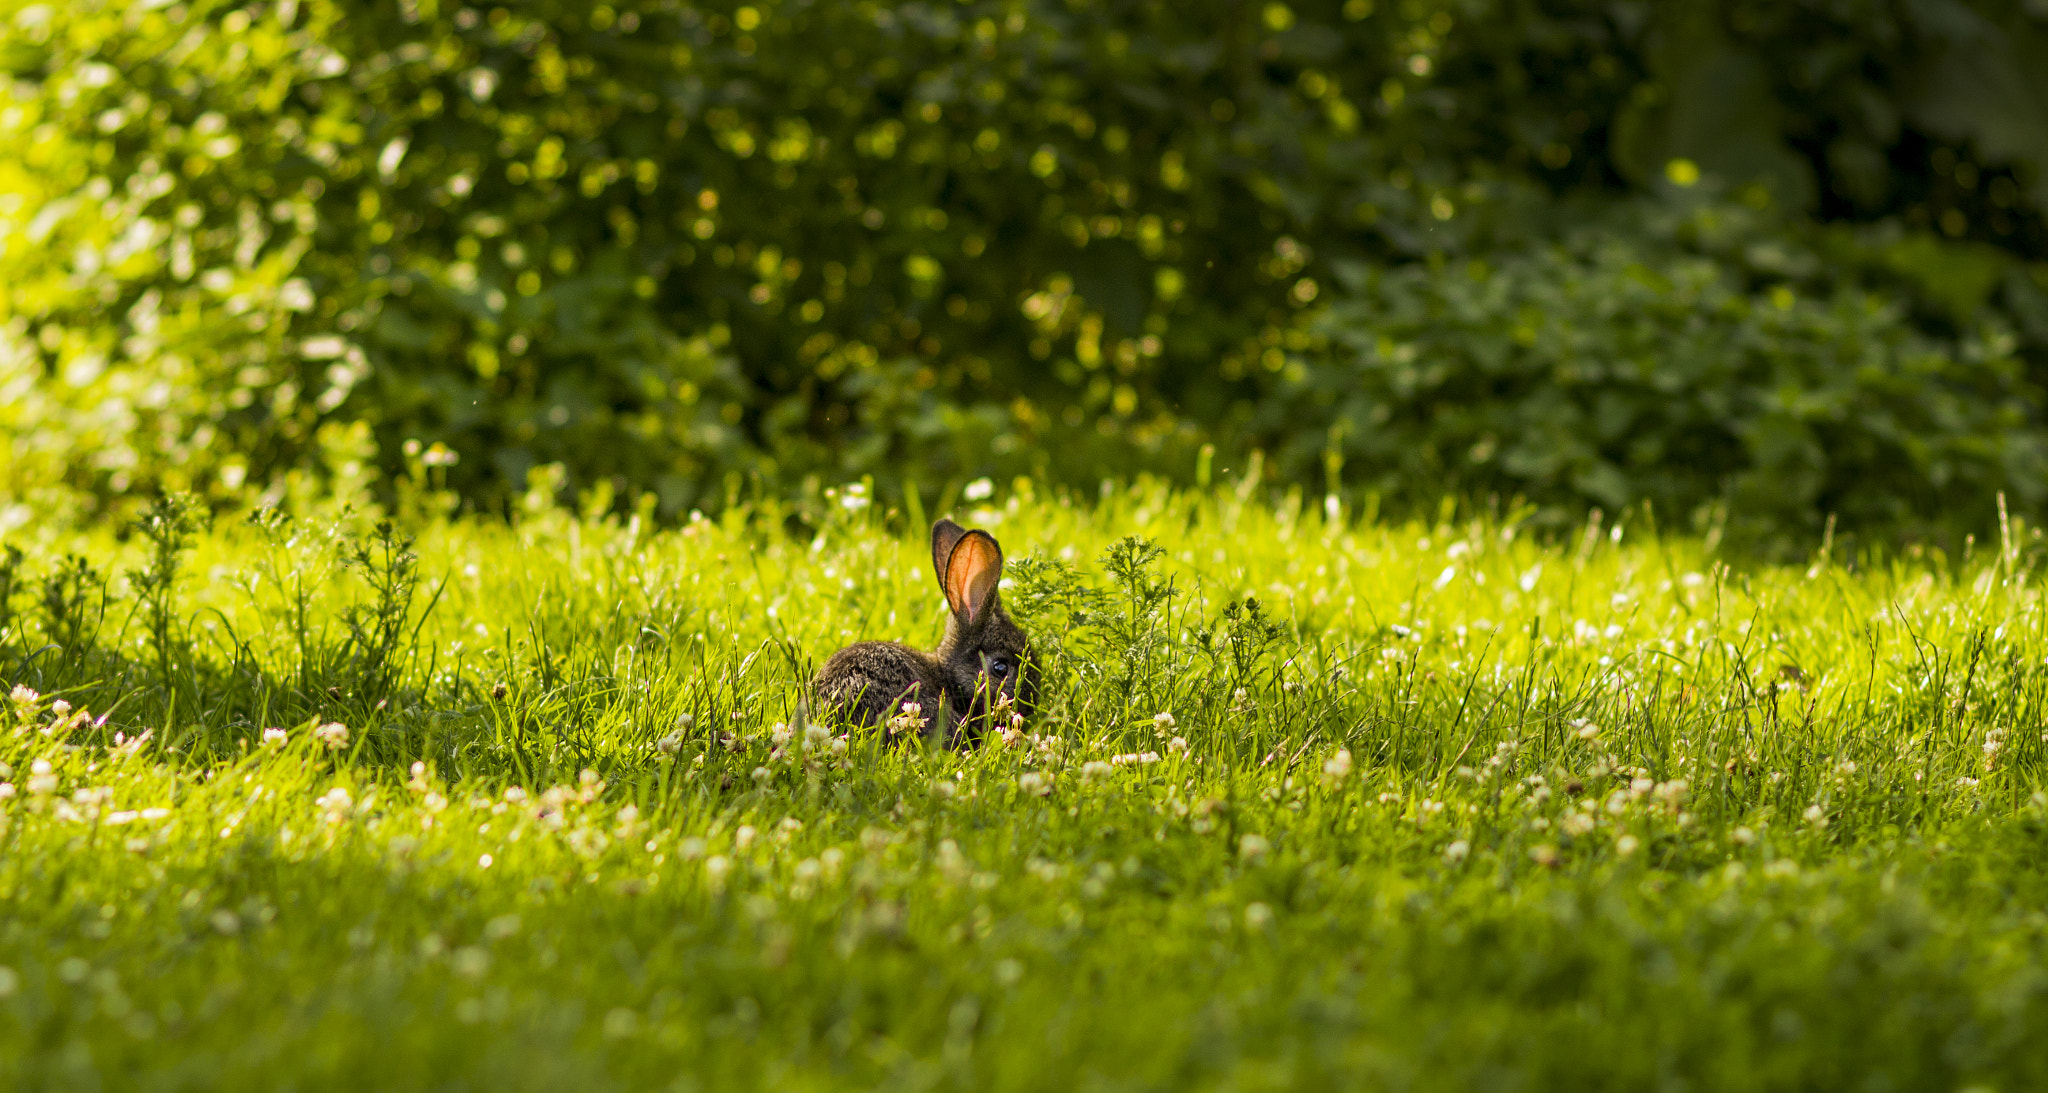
x=943 y=790
x=1034 y=784
x=1177 y=746
x=1257 y=916
x=273 y=737
x=1457 y=851
x=336 y=803
x=744 y=837
x=1626 y=845
x=1253 y=847
x=1164 y=721
x=1742 y=836
x=1816 y=815
x=1337 y=767
x=1094 y=770
x=334 y=734
x=981 y=489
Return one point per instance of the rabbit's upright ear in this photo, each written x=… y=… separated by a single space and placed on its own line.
x=972 y=573
x=945 y=536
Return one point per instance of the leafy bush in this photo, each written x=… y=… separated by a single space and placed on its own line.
x=1648 y=360
x=670 y=244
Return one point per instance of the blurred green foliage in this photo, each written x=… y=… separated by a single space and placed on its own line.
x=673 y=246
x=1672 y=356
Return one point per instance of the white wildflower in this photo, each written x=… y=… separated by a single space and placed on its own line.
x=334 y=734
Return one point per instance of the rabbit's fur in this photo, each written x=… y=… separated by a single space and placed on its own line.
x=984 y=663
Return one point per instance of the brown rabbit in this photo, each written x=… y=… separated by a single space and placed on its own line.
x=983 y=659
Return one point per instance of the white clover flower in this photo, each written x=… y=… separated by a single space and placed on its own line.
x=943 y=790
x=670 y=744
x=1034 y=784
x=1337 y=767
x=1742 y=836
x=22 y=695
x=761 y=776
x=1816 y=815
x=1165 y=722
x=334 y=734
x=1094 y=770
x=744 y=837
x=1257 y=917
x=273 y=737
x=1177 y=746
x=336 y=803
x=42 y=780
x=1134 y=758
x=1626 y=845
x=781 y=734
x=816 y=736
x=1578 y=823
x=1457 y=851
x=910 y=719
x=1252 y=847
x=981 y=489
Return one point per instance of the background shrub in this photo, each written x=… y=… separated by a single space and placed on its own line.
x=1678 y=356
x=674 y=246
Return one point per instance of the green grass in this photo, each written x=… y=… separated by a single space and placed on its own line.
x=1454 y=807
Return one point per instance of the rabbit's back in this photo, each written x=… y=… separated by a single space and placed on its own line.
x=870 y=681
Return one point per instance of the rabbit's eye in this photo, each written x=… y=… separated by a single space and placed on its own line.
x=998 y=667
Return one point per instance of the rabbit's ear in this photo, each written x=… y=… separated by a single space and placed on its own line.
x=945 y=536
x=972 y=573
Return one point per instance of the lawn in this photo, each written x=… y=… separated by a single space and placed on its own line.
x=1313 y=800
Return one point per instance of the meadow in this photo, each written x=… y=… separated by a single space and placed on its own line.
x=1313 y=799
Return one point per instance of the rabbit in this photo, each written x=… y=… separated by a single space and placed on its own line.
x=984 y=663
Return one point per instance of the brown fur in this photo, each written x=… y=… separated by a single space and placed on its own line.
x=956 y=684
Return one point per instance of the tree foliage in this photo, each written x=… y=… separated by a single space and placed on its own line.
x=673 y=244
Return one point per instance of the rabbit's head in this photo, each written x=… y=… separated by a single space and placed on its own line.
x=986 y=659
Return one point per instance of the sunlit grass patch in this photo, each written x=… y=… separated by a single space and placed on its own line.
x=1307 y=801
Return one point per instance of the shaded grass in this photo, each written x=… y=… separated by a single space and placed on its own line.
x=1447 y=806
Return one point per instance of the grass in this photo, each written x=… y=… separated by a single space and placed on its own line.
x=1450 y=806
